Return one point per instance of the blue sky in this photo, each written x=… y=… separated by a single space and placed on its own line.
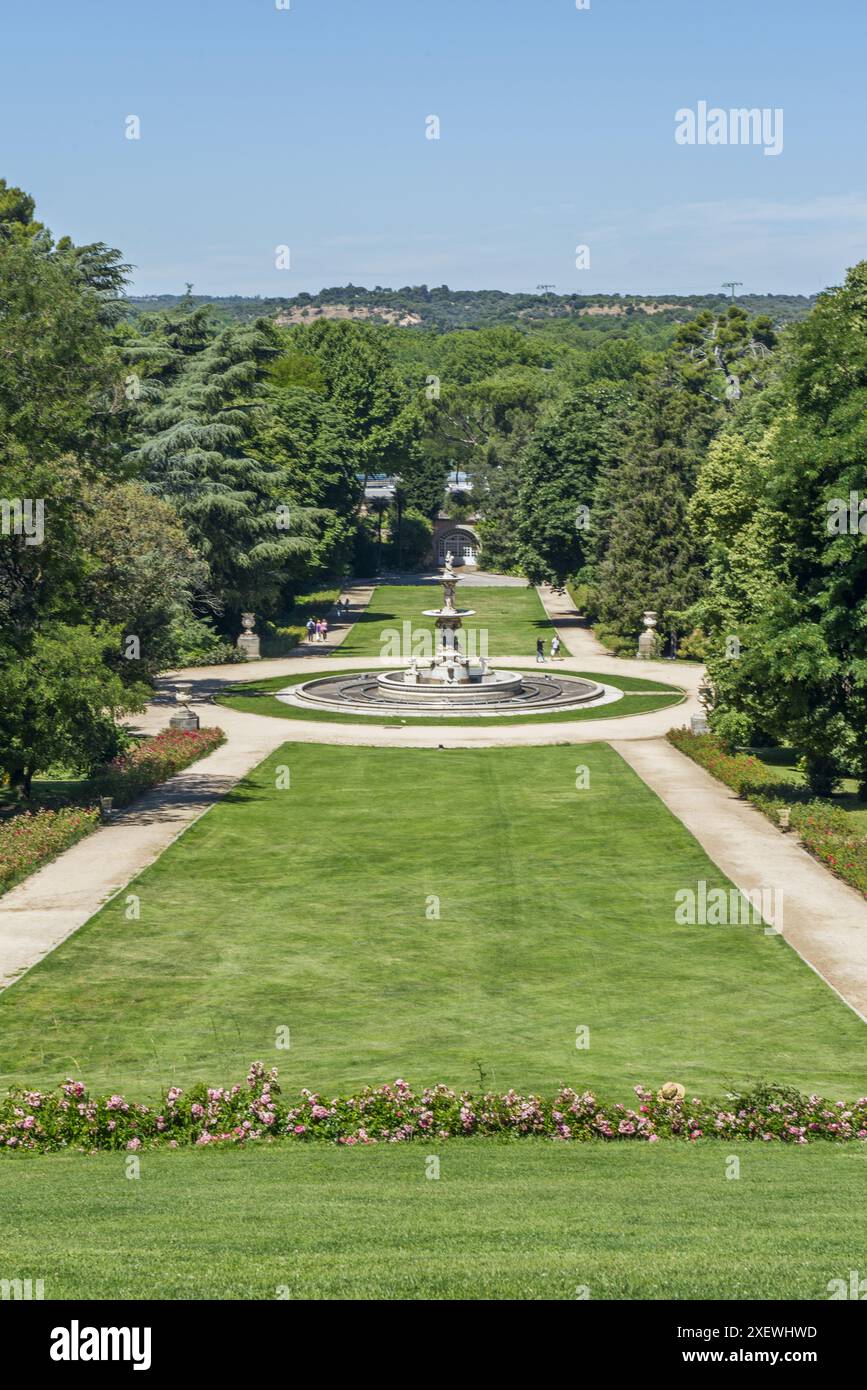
x=306 y=127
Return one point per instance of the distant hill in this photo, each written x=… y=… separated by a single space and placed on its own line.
x=443 y=309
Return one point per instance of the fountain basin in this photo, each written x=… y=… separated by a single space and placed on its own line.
x=518 y=692
x=466 y=683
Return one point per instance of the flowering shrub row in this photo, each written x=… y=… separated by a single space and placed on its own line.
x=744 y=774
x=153 y=761
x=29 y=839
x=70 y=1118
x=825 y=830
x=33 y=837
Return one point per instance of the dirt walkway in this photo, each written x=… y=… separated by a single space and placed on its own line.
x=339 y=625
x=577 y=638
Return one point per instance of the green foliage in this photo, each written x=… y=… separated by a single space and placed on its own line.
x=197 y=451
x=558 y=472
x=651 y=559
x=59 y=703
x=441 y=309
x=194 y=641
x=142 y=574
x=789 y=576
x=409 y=541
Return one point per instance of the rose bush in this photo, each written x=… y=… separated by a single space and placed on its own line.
x=33 y=837
x=153 y=761
x=70 y=1118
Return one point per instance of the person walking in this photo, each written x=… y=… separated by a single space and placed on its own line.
x=540 y=650
x=311 y=629
x=555 y=646
x=325 y=629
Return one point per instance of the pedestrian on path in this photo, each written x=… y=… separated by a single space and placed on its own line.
x=540 y=650
x=325 y=629
x=311 y=629
x=555 y=647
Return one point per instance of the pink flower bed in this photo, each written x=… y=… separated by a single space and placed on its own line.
x=154 y=760
x=253 y=1111
x=29 y=839
x=33 y=837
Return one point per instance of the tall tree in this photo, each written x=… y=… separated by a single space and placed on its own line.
x=558 y=472
x=800 y=671
x=652 y=559
x=197 y=451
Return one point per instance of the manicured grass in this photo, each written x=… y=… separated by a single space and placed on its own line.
x=256 y=698
x=314 y=908
x=525 y=1221
x=513 y=619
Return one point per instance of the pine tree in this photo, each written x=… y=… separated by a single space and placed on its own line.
x=652 y=560
x=197 y=453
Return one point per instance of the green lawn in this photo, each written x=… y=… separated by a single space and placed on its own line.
x=525 y=1221
x=513 y=619
x=309 y=908
x=256 y=697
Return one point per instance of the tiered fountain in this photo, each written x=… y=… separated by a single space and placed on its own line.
x=449 y=682
x=450 y=675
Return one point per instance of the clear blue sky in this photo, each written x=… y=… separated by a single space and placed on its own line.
x=306 y=127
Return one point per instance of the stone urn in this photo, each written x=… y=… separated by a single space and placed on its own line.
x=183 y=717
x=248 y=642
x=647 y=640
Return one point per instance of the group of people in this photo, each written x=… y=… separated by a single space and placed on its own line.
x=317 y=628
x=540 y=648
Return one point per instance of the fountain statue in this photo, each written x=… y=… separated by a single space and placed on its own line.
x=450 y=681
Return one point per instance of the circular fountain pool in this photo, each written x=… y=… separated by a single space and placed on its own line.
x=518 y=692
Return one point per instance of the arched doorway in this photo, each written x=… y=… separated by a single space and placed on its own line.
x=463 y=545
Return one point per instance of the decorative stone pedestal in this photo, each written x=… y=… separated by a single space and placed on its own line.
x=248 y=642
x=248 y=646
x=647 y=640
x=184 y=719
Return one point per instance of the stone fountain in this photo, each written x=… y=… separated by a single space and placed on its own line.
x=449 y=674
x=450 y=683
